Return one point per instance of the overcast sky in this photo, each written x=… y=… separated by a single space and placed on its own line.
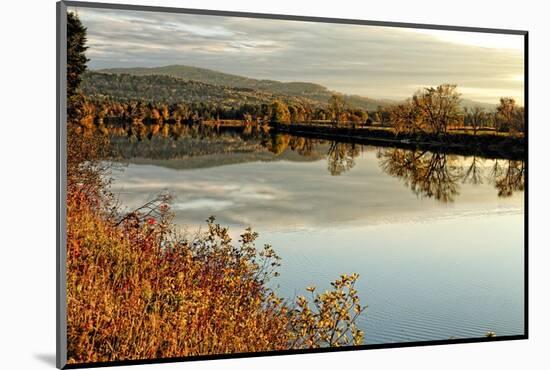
x=378 y=62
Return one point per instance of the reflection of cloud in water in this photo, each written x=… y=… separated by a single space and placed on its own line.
x=215 y=197
x=423 y=263
x=212 y=204
x=287 y=195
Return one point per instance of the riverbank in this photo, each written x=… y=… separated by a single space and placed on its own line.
x=488 y=144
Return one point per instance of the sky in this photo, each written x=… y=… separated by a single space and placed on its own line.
x=372 y=61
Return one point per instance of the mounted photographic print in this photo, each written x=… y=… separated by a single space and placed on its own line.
x=235 y=184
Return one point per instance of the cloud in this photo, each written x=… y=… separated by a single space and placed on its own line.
x=367 y=60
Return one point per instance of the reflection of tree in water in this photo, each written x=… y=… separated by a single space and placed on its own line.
x=184 y=141
x=508 y=177
x=433 y=175
x=474 y=172
x=341 y=157
x=302 y=145
x=278 y=143
x=427 y=174
x=437 y=174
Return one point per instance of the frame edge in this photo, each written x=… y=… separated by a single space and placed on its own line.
x=61 y=170
x=289 y=17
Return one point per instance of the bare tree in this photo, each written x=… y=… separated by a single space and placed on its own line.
x=476 y=117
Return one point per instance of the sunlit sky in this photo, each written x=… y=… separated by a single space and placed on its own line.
x=372 y=61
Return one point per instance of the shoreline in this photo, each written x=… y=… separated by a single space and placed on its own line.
x=490 y=146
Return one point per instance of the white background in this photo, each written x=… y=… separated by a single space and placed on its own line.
x=27 y=144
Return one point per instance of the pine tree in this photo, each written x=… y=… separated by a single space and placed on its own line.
x=76 y=47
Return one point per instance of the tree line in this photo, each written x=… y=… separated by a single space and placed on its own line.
x=102 y=110
x=432 y=110
x=437 y=110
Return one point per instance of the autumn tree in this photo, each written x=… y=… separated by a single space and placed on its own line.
x=336 y=106
x=359 y=116
x=280 y=112
x=506 y=112
x=405 y=118
x=509 y=116
x=519 y=119
x=180 y=113
x=440 y=107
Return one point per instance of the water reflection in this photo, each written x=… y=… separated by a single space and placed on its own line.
x=474 y=172
x=278 y=144
x=330 y=207
x=341 y=157
x=426 y=173
x=438 y=175
x=508 y=177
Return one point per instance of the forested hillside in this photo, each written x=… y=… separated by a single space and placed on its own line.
x=167 y=89
x=180 y=83
x=224 y=79
x=314 y=93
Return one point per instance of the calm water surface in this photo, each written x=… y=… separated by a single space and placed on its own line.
x=437 y=239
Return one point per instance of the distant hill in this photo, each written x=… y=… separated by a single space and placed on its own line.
x=224 y=79
x=315 y=93
x=162 y=88
x=175 y=83
x=467 y=103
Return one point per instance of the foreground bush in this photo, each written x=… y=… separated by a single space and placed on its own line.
x=136 y=290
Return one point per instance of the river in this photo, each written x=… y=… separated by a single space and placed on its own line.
x=437 y=239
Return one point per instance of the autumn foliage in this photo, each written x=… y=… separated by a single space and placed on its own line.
x=137 y=290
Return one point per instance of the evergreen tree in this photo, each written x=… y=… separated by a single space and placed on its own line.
x=76 y=47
